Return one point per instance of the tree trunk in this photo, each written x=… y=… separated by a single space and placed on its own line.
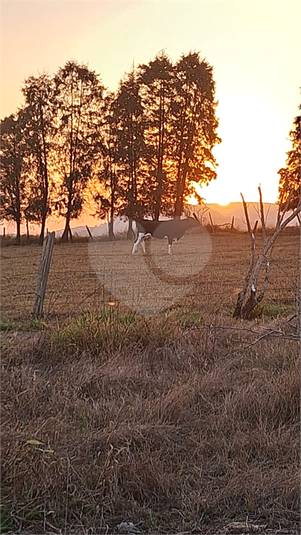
x=178 y=207
x=27 y=231
x=111 y=229
x=111 y=213
x=130 y=232
x=67 y=230
x=18 y=223
x=46 y=182
x=43 y=224
x=158 y=196
x=160 y=154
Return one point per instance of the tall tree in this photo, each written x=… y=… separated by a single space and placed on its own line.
x=131 y=147
x=156 y=91
x=290 y=176
x=79 y=100
x=194 y=126
x=38 y=93
x=13 y=172
x=107 y=199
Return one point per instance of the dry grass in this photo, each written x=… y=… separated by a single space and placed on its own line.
x=84 y=277
x=182 y=422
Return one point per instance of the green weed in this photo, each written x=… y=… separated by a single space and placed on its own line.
x=271 y=310
x=186 y=316
x=6 y=519
x=6 y=324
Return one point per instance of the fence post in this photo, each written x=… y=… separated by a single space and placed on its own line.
x=89 y=232
x=43 y=273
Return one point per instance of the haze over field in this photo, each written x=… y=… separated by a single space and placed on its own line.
x=221 y=215
x=253 y=47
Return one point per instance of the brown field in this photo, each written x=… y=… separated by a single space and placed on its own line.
x=81 y=277
x=178 y=420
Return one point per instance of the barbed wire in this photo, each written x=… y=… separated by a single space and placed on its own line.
x=20 y=267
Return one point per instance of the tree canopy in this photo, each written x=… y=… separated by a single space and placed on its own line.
x=290 y=175
x=136 y=150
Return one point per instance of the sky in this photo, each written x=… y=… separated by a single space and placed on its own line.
x=253 y=47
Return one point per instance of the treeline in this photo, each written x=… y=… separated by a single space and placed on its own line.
x=132 y=152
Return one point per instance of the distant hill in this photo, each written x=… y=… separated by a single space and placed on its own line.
x=223 y=214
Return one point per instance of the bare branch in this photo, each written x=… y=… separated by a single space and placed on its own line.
x=255 y=227
x=250 y=282
x=246 y=214
x=262 y=215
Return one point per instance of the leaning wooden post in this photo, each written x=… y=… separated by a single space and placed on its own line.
x=89 y=232
x=43 y=273
x=211 y=223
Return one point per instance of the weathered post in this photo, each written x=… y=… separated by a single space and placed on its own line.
x=43 y=273
x=211 y=223
x=89 y=232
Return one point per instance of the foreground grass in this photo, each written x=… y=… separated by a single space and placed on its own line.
x=176 y=423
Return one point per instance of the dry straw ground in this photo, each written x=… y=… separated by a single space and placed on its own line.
x=184 y=421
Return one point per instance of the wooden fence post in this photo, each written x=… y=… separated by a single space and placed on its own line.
x=211 y=223
x=89 y=232
x=43 y=273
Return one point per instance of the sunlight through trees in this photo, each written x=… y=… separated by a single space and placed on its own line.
x=136 y=151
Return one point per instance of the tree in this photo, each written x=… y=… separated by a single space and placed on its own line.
x=156 y=82
x=251 y=293
x=38 y=93
x=194 y=126
x=79 y=100
x=131 y=148
x=290 y=176
x=13 y=176
x=107 y=171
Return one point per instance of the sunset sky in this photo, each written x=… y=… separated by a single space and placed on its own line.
x=253 y=46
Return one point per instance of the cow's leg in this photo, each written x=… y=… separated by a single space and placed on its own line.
x=169 y=245
x=137 y=241
x=147 y=236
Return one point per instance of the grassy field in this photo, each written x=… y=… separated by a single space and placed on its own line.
x=178 y=420
x=84 y=277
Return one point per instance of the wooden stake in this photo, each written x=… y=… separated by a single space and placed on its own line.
x=89 y=232
x=43 y=273
x=211 y=223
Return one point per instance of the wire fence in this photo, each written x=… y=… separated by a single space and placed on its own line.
x=88 y=276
